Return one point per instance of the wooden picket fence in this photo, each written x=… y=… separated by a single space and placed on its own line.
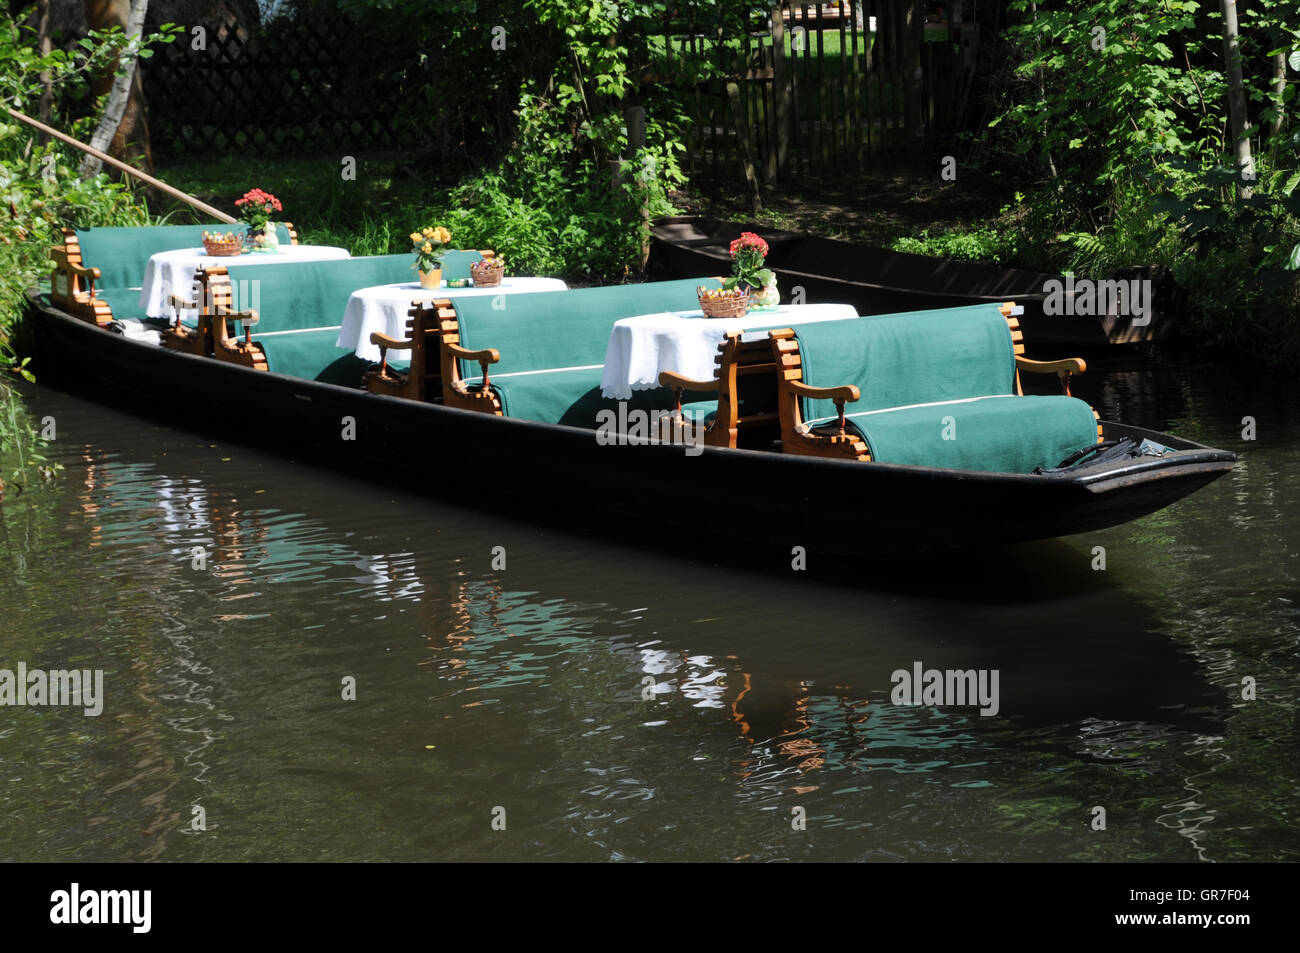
x=829 y=89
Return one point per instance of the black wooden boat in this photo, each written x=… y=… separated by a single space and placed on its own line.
x=563 y=476
x=878 y=281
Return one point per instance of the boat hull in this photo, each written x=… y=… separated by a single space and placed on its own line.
x=563 y=477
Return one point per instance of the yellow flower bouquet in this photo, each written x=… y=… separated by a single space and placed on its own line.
x=427 y=244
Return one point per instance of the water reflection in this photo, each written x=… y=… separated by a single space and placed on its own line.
x=622 y=704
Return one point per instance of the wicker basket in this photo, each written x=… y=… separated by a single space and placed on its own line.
x=223 y=249
x=487 y=273
x=725 y=307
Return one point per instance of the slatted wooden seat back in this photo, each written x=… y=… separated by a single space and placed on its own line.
x=422 y=380
x=215 y=331
x=741 y=410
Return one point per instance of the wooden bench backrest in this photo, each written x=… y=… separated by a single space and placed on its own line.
x=423 y=378
x=738 y=359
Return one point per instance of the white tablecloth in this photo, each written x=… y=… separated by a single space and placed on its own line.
x=172 y=272
x=687 y=342
x=384 y=308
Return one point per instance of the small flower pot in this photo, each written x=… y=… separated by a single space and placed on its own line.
x=769 y=297
x=431 y=278
x=266 y=240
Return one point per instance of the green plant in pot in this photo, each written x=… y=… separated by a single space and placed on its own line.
x=256 y=209
x=748 y=253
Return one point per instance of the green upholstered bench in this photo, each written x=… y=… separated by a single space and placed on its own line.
x=929 y=388
x=546 y=351
x=97 y=271
x=298 y=308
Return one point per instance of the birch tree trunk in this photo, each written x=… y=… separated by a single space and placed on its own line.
x=1237 y=98
x=43 y=41
x=119 y=94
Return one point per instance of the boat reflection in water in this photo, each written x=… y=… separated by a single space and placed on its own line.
x=618 y=703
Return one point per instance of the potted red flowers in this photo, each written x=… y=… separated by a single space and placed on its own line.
x=256 y=209
x=748 y=253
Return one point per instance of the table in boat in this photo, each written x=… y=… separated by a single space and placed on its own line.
x=172 y=272
x=384 y=308
x=687 y=342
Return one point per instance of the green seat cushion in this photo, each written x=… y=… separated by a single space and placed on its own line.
x=125 y=303
x=702 y=411
x=897 y=360
x=572 y=397
x=299 y=296
x=313 y=356
x=1006 y=434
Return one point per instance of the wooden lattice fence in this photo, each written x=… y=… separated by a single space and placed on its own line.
x=792 y=90
x=303 y=85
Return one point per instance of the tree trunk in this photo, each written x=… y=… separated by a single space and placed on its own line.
x=1279 y=87
x=43 y=42
x=119 y=94
x=1237 y=98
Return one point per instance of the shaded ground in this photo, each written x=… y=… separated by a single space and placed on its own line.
x=876 y=208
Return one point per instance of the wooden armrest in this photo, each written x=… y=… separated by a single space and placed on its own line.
x=79 y=270
x=1062 y=369
x=249 y=317
x=841 y=395
x=847 y=392
x=1070 y=365
x=486 y=356
x=180 y=304
x=387 y=343
x=675 y=380
x=680 y=384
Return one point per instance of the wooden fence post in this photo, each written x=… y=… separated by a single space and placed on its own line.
x=780 y=97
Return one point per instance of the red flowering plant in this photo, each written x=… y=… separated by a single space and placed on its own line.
x=748 y=253
x=257 y=207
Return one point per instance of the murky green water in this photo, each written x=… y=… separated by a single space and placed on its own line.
x=522 y=689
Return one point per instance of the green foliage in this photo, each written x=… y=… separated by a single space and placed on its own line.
x=21 y=446
x=993 y=245
x=1090 y=110
x=40 y=192
x=578 y=229
x=1117 y=113
x=1241 y=257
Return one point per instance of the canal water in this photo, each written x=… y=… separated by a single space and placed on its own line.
x=342 y=672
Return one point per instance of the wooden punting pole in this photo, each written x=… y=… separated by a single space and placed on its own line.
x=161 y=186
